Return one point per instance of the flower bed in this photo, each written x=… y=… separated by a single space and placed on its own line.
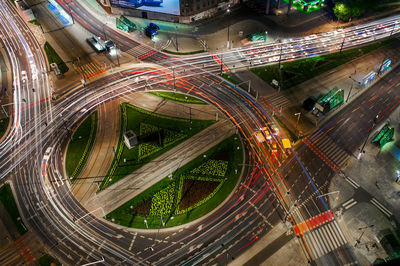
x=212 y=167
x=162 y=202
x=194 y=190
x=173 y=130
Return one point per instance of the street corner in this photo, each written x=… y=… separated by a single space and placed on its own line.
x=365 y=227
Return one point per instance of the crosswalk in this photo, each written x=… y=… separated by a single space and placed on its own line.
x=380 y=207
x=328 y=151
x=324 y=239
x=141 y=52
x=11 y=255
x=276 y=102
x=89 y=70
x=350 y=203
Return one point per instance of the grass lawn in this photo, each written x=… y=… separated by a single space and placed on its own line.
x=7 y=198
x=47 y=260
x=34 y=22
x=53 y=57
x=296 y=72
x=200 y=172
x=3 y=125
x=177 y=97
x=150 y=129
x=80 y=146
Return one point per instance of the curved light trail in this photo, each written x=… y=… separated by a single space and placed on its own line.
x=79 y=237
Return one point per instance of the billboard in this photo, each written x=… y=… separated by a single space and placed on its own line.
x=161 y=6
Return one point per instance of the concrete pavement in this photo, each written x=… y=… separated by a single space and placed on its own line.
x=368 y=188
x=117 y=194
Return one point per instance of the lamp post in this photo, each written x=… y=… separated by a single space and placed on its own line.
x=366 y=139
x=358 y=241
x=228 y=11
x=297 y=123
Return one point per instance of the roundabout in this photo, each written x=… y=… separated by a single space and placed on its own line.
x=33 y=163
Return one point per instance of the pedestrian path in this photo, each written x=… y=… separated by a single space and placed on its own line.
x=141 y=52
x=324 y=239
x=380 y=207
x=328 y=151
x=313 y=222
x=89 y=70
x=275 y=101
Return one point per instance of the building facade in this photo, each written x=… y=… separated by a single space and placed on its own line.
x=182 y=11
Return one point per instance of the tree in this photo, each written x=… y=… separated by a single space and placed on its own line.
x=342 y=11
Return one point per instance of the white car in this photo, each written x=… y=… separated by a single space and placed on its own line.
x=24 y=77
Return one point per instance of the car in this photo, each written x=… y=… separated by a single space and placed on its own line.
x=153 y=26
x=24 y=76
x=109 y=45
x=150 y=32
x=274 y=147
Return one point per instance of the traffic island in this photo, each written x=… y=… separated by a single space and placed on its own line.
x=296 y=72
x=177 y=97
x=156 y=134
x=188 y=193
x=80 y=146
x=8 y=201
x=3 y=126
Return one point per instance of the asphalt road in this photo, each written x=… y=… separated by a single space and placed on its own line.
x=77 y=237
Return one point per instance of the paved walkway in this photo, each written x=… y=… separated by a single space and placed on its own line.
x=154 y=171
x=107 y=135
x=362 y=202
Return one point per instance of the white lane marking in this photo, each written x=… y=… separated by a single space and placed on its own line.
x=133 y=240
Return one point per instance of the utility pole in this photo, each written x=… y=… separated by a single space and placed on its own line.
x=366 y=139
x=341 y=47
x=358 y=241
x=267 y=7
x=173 y=73
x=176 y=39
x=229 y=22
x=348 y=96
x=380 y=67
x=116 y=52
x=289 y=6
x=297 y=123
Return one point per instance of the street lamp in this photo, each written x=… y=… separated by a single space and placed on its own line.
x=297 y=123
x=358 y=241
x=228 y=11
x=365 y=142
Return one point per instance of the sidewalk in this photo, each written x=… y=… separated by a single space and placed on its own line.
x=361 y=199
x=344 y=77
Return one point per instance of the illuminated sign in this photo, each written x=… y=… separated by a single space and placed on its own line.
x=161 y=6
x=368 y=78
x=386 y=64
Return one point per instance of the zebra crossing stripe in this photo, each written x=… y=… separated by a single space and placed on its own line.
x=352 y=182
x=350 y=203
x=381 y=207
